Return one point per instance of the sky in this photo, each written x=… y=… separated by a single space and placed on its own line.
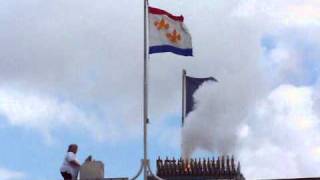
x=71 y=72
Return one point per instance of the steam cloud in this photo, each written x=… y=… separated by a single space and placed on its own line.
x=265 y=108
x=219 y=116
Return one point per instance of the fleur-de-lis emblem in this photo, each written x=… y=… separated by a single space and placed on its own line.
x=174 y=37
x=162 y=24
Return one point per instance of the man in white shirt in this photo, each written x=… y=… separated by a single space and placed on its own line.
x=70 y=166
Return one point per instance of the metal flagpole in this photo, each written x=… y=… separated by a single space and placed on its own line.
x=183 y=107
x=183 y=96
x=145 y=94
x=145 y=164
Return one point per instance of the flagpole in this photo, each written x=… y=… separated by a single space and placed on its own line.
x=145 y=164
x=145 y=94
x=183 y=96
x=182 y=109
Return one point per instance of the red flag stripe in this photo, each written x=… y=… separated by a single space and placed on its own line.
x=157 y=11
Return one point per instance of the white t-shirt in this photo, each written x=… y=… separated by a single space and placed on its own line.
x=68 y=167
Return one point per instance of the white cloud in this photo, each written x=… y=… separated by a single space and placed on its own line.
x=285 y=60
x=303 y=13
x=83 y=53
x=6 y=174
x=285 y=12
x=45 y=113
x=284 y=139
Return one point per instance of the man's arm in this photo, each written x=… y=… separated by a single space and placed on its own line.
x=71 y=158
x=74 y=163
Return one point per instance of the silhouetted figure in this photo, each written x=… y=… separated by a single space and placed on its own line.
x=233 y=168
x=228 y=166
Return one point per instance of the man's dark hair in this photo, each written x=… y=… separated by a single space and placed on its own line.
x=72 y=146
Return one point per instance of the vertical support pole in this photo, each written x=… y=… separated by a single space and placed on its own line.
x=183 y=105
x=183 y=96
x=145 y=92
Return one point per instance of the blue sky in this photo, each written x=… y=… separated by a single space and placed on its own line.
x=71 y=72
x=25 y=151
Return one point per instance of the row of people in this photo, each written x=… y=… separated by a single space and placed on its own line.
x=223 y=166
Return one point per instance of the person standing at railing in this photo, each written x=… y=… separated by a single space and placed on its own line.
x=70 y=166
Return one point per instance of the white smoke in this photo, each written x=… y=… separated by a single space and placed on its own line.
x=220 y=113
x=264 y=108
x=221 y=107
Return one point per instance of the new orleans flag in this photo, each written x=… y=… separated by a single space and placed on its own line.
x=167 y=33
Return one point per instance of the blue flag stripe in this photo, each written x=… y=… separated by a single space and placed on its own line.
x=168 y=48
